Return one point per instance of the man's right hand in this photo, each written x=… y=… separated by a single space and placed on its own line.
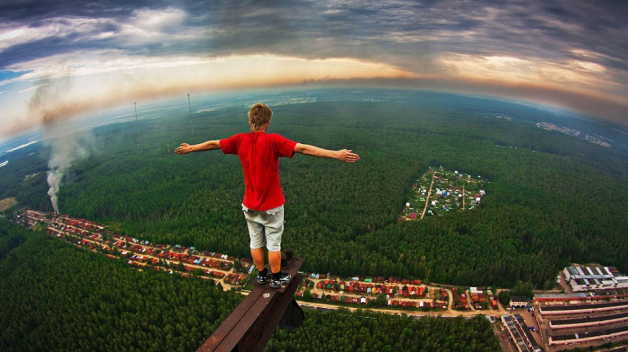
x=347 y=156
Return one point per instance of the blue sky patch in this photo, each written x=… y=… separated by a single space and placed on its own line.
x=6 y=74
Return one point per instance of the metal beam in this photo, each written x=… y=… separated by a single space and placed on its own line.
x=252 y=323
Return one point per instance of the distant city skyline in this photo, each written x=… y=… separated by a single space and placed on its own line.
x=60 y=59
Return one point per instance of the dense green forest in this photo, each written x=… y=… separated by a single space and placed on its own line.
x=57 y=297
x=362 y=331
x=553 y=199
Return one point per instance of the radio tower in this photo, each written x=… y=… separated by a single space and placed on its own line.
x=137 y=131
x=190 y=116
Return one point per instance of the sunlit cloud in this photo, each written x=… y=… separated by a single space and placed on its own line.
x=97 y=82
x=587 y=54
x=157 y=20
x=32 y=88
x=84 y=63
x=20 y=35
x=13 y=34
x=587 y=67
x=275 y=68
x=146 y=25
x=582 y=76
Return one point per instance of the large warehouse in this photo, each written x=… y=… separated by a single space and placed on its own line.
x=586 y=278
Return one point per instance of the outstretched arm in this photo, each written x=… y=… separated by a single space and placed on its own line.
x=343 y=155
x=185 y=148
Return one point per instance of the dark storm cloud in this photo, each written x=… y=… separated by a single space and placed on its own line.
x=352 y=28
x=232 y=26
x=33 y=10
x=44 y=47
x=550 y=28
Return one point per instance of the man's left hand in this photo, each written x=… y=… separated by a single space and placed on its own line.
x=184 y=148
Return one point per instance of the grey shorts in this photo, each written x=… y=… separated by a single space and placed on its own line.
x=265 y=227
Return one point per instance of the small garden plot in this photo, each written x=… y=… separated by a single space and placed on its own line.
x=440 y=191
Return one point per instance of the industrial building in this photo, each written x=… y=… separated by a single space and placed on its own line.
x=583 y=308
x=519 y=333
x=587 y=336
x=586 y=278
x=588 y=321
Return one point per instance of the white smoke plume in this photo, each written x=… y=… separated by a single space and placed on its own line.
x=66 y=147
x=64 y=151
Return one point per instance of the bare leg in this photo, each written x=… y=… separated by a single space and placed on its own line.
x=258 y=258
x=274 y=259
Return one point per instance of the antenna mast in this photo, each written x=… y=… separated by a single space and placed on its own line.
x=137 y=128
x=190 y=116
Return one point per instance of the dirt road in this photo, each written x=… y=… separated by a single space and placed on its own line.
x=427 y=200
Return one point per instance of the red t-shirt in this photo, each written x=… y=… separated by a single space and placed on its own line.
x=259 y=155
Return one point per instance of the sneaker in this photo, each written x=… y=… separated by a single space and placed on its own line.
x=283 y=279
x=263 y=279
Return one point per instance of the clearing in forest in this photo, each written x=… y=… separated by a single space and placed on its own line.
x=7 y=203
x=440 y=191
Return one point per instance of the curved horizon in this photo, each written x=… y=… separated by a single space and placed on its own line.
x=60 y=60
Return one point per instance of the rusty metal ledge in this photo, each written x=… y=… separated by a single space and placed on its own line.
x=252 y=323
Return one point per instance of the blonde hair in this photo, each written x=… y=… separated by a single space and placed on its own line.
x=259 y=115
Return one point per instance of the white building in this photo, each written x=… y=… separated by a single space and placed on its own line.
x=585 y=278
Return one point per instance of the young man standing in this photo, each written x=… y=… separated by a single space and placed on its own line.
x=259 y=154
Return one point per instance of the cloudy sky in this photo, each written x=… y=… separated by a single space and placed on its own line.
x=59 y=59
